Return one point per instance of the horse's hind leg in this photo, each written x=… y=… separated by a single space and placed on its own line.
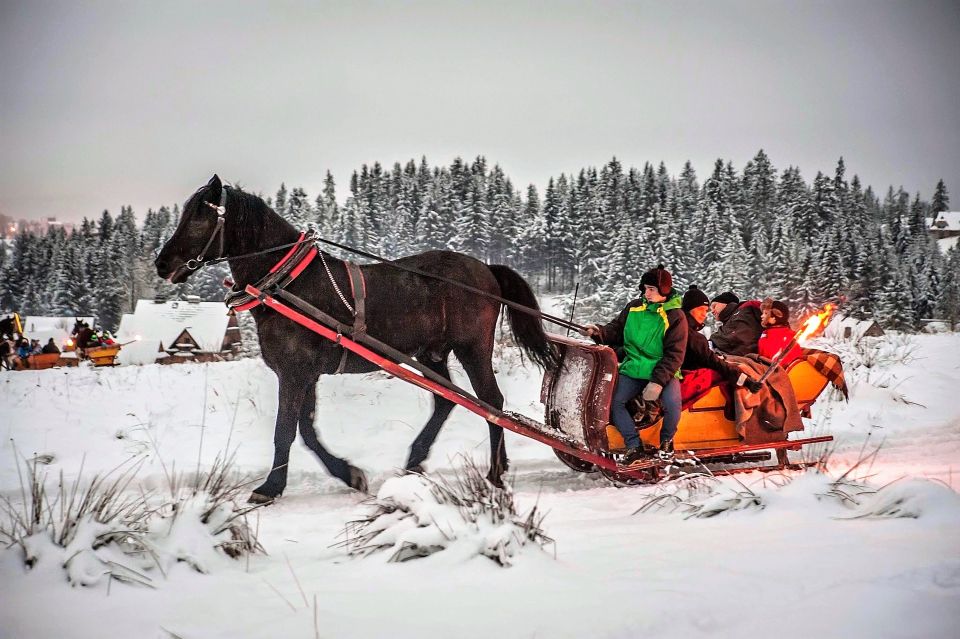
x=339 y=468
x=420 y=448
x=476 y=361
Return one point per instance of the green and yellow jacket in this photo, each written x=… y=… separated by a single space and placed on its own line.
x=653 y=336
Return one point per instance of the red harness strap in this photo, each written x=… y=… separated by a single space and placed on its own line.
x=293 y=249
x=282 y=273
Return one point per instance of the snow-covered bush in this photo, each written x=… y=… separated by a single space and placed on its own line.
x=104 y=528
x=864 y=354
x=850 y=493
x=701 y=496
x=416 y=515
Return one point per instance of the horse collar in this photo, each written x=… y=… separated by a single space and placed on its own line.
x=283 y=272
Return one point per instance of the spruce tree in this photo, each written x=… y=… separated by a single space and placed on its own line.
x=941 y=199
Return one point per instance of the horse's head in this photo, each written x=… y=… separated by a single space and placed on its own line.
x=199 y=235
x=78 y=326
x=6 y=328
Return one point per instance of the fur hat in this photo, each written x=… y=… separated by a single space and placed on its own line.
x=726 y=298
x=778 y=311
x=660 y=278
x=694 y=297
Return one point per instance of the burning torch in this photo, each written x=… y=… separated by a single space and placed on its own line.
x=813 y=325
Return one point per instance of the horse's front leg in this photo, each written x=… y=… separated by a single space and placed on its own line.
x=339 y=468
x=292 y=393
x=420 y=448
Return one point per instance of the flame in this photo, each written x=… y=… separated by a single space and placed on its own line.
x=815 y=323
x=69 y=342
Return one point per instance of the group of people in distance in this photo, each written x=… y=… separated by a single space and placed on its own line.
x=665 y=356
x=19 y=349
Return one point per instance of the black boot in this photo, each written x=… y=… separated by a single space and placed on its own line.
x=633 y=455
x=666 y=451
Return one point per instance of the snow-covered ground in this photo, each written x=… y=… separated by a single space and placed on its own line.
x=796 y=562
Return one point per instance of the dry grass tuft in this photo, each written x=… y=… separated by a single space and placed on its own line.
x=108 y=526
x=480 y=509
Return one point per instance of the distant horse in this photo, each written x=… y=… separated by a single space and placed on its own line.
x=6 y=353
x=7 y=328
x=420 y=316
x=83 y=336
x=7 y=348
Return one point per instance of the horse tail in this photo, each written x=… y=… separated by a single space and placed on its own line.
x=527 y=329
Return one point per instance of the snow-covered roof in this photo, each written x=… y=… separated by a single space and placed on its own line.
x=947 y=243
x=163 y=322
x=837 y=328
x=946 y=221
x=43 y=327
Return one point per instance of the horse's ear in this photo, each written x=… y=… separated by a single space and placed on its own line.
x=215 y=185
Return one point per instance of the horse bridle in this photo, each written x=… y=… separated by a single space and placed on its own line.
x=196 y=262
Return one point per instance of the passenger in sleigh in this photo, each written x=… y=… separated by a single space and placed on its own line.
x=653 y=332
x=775 y=319
x=739 y=321
x=50 y=347
x=703 y=368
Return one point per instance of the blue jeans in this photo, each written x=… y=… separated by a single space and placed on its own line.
x=628 y=388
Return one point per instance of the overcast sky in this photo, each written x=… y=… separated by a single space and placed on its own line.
x=111 y=103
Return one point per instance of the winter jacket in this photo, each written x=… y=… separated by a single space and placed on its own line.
x=50 y=348
x=740 y=331
x=773 y=339
x=700 y=355
x=653 y=336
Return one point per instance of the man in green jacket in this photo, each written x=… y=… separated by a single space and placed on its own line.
x=653 y=333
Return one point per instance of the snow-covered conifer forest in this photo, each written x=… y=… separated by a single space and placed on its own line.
x=758 y=231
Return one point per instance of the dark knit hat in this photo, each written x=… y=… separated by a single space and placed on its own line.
x=659 y=277
x=694 y=297
x=779 y=312
x=726 y=298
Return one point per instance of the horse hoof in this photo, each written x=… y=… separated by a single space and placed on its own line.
x=260 y=500
x=496 y=480
x=358 y=481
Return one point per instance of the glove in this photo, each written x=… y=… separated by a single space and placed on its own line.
x=749 y=383
x=591 y=330
x=651 y=392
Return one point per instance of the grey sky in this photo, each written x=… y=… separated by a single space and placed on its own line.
x=111 y=103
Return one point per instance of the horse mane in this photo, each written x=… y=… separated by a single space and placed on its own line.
x=245 y=210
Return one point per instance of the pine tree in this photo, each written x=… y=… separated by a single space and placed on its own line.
x=948 y=298
x=280 y=201
x=327 y=211
x=941 y=199
x=298 y=210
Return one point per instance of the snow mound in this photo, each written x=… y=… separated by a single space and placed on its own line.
x=416 y=516
x=913 y=499
x=704 y=496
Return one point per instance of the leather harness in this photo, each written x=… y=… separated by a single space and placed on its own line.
x=288 y=269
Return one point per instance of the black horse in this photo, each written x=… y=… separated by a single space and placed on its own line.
x=7 y=328
x=83 y=336
x=420 y=316
x=7 y=348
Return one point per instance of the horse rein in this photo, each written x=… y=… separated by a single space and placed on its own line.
x=313 y=239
